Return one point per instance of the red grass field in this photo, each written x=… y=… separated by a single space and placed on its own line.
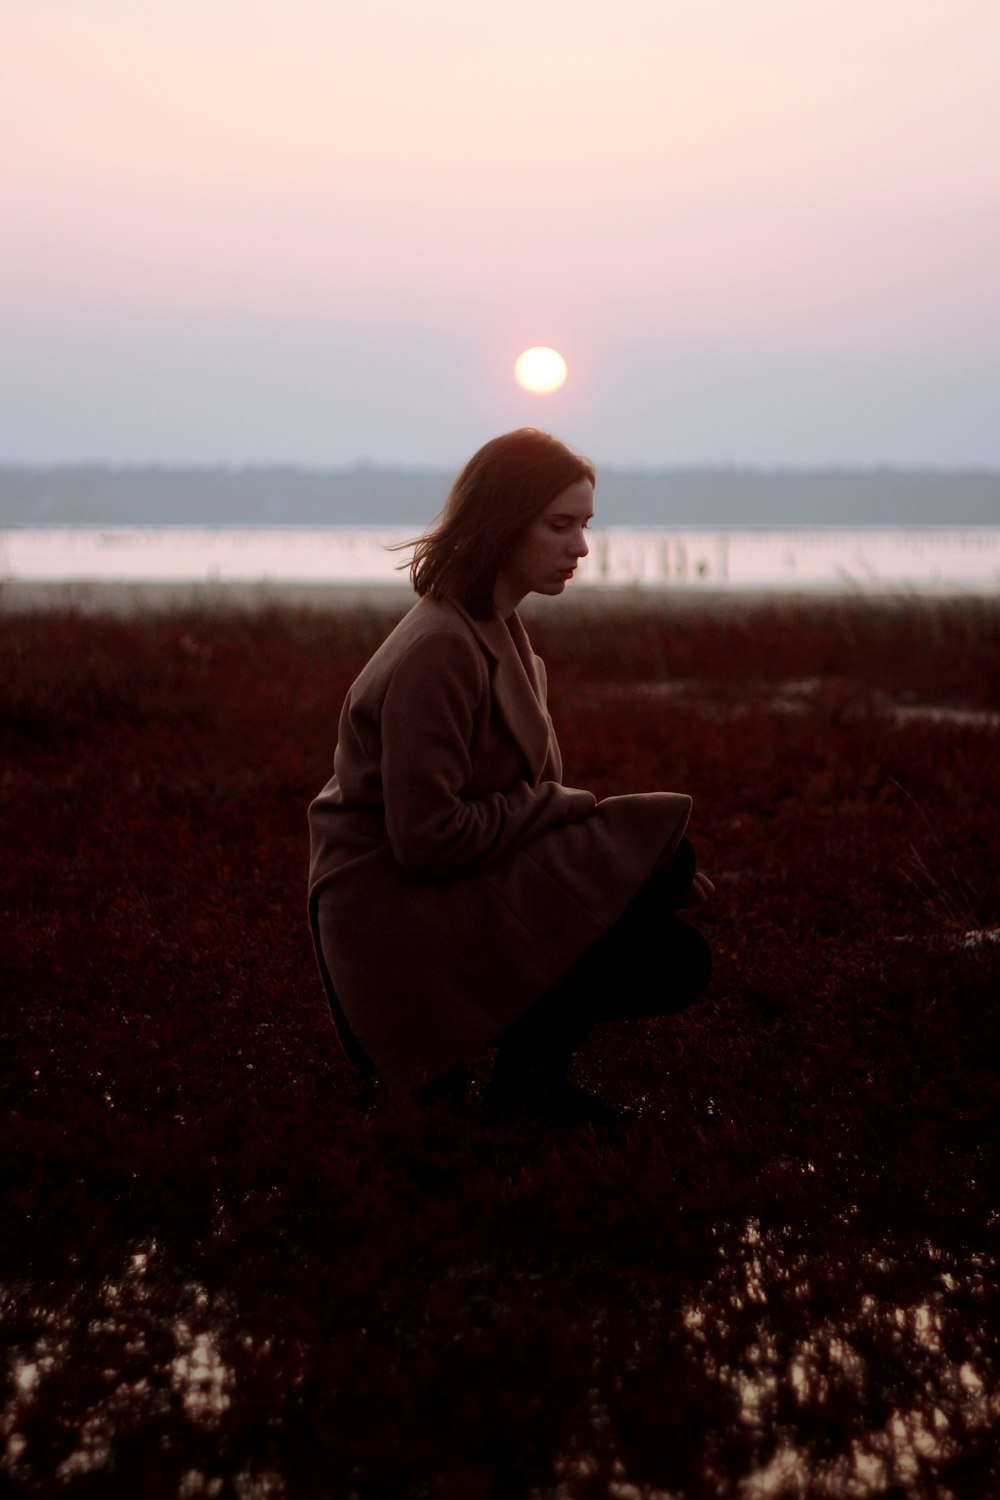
x=221 y=1277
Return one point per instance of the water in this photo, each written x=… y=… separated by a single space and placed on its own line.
x=925 y=559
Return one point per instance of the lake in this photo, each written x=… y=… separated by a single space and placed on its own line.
x=925 y=559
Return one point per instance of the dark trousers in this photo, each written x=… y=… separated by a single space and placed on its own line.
x=651 y=962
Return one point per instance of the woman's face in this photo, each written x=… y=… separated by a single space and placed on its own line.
x=545 y=556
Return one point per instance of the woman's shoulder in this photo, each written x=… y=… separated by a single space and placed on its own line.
x=428 y=620
x=446 y=618
x=433 y=635
x=429 y=616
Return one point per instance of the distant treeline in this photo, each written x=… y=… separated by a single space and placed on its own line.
x=96 y=494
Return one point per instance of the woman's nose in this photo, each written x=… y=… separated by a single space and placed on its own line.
x=581 y=549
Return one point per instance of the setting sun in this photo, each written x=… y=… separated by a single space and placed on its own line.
x=540 y=370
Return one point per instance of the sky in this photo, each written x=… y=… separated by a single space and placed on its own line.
x=319 y=231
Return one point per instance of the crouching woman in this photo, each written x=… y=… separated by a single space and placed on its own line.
x=461 y=894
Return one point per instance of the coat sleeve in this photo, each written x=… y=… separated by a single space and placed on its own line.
x=427 y=727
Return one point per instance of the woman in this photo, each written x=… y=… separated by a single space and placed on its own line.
x=460 y=895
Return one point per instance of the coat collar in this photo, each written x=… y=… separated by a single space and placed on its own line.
x=518 y=687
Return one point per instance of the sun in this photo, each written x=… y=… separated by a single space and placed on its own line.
x=540 y=370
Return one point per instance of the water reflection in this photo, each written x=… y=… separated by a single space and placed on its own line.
x=805 y=1385
x=782 y=1372
x=852 y=559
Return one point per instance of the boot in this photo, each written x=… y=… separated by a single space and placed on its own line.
x=526 y=1088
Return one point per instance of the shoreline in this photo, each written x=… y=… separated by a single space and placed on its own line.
x=131 y=597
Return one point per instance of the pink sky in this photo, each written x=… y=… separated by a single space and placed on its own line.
x=760 y=231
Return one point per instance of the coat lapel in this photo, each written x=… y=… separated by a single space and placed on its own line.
x=517 y=689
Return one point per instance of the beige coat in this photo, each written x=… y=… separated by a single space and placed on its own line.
x=454 y=879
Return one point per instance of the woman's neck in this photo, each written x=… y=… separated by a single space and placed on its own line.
x=506 y=597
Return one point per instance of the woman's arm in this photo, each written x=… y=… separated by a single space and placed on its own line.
x=427 y=728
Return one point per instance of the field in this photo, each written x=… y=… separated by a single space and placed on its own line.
x=224 y=1274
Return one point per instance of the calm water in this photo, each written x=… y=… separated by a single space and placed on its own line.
x=925 y=558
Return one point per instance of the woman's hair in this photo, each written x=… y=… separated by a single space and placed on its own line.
x=501 y=490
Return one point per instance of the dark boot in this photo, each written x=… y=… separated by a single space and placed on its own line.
x=523 y=1088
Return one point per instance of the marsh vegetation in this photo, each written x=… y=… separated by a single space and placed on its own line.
x=225 y=1275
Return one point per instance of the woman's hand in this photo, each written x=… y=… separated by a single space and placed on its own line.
x=702 y=890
